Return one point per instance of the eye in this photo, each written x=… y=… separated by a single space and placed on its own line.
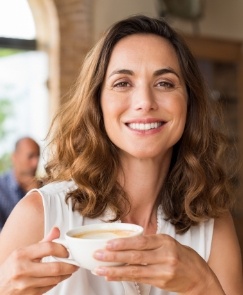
x=121 y=84
x=165 y=84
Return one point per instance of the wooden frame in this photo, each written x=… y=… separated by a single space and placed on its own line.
x=15 y=43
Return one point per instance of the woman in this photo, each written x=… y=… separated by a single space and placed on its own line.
x=136 y=144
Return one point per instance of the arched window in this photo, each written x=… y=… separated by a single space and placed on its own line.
x=23 y=78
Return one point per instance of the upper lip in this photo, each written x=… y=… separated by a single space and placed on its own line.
x=145 y=120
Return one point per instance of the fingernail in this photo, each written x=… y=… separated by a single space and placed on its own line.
x=99 y=271
x=99 y=255
x=110 y=245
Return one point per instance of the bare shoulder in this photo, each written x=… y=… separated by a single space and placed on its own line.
x=225 y=258
x=24 y=226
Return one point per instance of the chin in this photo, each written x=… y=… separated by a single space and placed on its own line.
x=142 y=155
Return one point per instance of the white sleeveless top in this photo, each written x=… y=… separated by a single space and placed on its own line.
x=83 y=282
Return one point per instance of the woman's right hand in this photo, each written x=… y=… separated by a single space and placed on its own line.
x=23 y=272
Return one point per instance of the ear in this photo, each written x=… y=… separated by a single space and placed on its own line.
x=13 y=157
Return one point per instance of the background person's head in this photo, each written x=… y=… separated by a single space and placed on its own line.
x=25 y=157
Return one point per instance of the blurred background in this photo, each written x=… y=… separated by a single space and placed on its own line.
x=43 y=44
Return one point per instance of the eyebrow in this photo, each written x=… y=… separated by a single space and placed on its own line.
x=156 y=73
x=121 y=71
x=166 y=71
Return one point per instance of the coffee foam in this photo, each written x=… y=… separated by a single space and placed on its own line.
x=104 y=234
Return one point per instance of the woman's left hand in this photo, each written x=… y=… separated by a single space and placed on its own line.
x=161 y=261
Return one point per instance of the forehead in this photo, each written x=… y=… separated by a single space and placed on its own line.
x=28 y=147
x=138 y=48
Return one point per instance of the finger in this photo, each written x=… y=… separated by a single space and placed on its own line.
x=157 y=250
x=147 y=242
x=37 y=287
x=155 y=275
x=52 y=235
x=138 y=273
x=32 y=275
x=52 y=269
x=151 y=275
x=41 y=270
x=42 y=282
x=130 y=257
x=140 y=242
x=39 y=251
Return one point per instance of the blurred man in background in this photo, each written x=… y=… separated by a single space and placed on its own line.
x=16 y=182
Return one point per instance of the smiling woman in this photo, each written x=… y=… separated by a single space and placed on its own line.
x=137 y=143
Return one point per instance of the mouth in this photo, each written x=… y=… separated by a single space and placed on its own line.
x=145 y=126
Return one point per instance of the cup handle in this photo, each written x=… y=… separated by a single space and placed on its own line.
x=61 y=259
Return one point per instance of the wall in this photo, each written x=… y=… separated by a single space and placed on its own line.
x=64 y=30
x=106 y=12
x=222 y=18
x=75 y=39
x=47 y=35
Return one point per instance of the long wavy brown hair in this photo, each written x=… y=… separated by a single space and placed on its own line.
x=197 y=186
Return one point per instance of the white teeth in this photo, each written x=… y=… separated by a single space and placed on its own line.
x=144 y=126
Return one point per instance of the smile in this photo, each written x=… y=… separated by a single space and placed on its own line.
x=144 y=126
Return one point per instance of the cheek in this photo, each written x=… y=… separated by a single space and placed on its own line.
x=179 y=105
x=109 y=115
x=181 y=118
x=184 y=110
x=176 y=106
x=112 y=108
x=178 y=113
x=181 y=112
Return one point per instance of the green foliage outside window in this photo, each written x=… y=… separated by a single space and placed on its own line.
x=8 y=51
x=5 y=112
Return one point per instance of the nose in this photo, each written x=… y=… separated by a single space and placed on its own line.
x=144 y=99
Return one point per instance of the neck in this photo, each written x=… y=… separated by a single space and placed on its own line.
x=26 y=181
x=142 y=180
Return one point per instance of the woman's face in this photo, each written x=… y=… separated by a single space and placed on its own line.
x=144 y=98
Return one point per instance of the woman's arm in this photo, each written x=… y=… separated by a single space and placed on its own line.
x=225 y=258
x=22 y=247
x=24 y=226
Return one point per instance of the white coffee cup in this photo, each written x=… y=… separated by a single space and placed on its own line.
x=83 y=241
